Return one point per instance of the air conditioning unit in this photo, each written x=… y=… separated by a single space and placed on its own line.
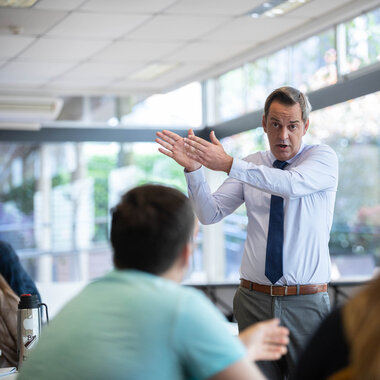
x=28 y=110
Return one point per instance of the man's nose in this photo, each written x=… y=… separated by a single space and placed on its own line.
x=283 y=133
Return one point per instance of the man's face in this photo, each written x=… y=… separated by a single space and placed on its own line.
x=285 y=129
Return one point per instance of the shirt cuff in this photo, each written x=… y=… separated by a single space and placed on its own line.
x=238 y=169
x=196 y=176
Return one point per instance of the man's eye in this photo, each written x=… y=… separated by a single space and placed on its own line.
x=293 y=126
x=275 y=125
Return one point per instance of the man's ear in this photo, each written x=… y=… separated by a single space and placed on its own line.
x=264 y=124
x=186 y=254
x=306 y=127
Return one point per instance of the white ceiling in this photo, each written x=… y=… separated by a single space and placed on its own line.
x=82 y=47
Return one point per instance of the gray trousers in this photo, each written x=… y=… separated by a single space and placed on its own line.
x=301 y=314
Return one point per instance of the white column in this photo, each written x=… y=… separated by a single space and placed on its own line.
x=79 y=181
x=214 y=256
x=45 y=262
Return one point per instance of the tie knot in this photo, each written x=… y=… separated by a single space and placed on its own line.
x=280 y=164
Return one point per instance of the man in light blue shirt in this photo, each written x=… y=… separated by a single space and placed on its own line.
x=306 y=188
x=137 y=322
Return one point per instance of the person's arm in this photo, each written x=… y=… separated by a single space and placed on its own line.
x=213 y=207
x=265 y=340
x=14 y=273
x=318 y=170
x=210 y=208
x=241 y=370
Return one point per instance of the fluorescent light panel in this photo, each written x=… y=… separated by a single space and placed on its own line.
x=153 y=71
x=274 y=8
x=17 y=3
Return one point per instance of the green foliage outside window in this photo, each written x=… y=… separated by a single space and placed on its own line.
x=99 y=168
x=22 y=196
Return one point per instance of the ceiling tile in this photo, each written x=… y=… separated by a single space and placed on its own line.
x=132 y=6
x=213 y=7
x=10 y=46
x=67 y=81
x=181 y=74
x=96 y=26
x=135 y=51
x=178 y=75
x=102 y=70
x=62 y=49
x=245 y=29
x=176 y=28
x=67 y=5
x=20 y=83
x=208 y=51
x=39 y=70
x=30 y=21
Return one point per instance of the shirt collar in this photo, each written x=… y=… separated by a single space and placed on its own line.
x=273 y=158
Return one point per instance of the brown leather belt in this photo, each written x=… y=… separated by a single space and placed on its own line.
x=291 y=290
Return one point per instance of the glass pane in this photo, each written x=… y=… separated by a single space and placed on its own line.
x=181 y=107
x=235 y=225
x=55 y=202
x=352 y=130
x=313 y=62
x=265 y=75
x=361 y=42
x=230 y=95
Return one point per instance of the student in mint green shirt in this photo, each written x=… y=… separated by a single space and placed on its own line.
x=138 y=322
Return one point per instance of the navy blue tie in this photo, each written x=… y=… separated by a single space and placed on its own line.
x=273 y=262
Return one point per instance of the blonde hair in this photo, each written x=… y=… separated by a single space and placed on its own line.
x=361 y=318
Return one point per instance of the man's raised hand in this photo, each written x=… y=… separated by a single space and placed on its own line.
x=210 y=154
x=173 y=147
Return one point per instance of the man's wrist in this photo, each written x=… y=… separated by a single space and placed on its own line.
x=229 y=163
x=192 y=168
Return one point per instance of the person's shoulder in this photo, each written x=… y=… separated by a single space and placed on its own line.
x=318 y=148
x=256 y=158
x=191 y=298
x=323 y=151
x=7 y=250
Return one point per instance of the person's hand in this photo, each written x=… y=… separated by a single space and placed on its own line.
x=210 y=154
x=265 y=340
x=174 y=148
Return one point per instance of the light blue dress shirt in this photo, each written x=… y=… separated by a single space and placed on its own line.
x=308 y=185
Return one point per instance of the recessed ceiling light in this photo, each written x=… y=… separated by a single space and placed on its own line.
x=276 y=8
x=153 y=71
x=17 y=3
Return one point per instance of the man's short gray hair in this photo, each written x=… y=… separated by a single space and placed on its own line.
x=289 y=95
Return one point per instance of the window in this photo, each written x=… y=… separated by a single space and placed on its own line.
x=352 y=130
x=313 y=62
x=62 y=209
x=181 y=107
x=230 y=99
x=360 y=42
x=264 y=75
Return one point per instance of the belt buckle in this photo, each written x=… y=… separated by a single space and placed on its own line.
x=278 y=295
